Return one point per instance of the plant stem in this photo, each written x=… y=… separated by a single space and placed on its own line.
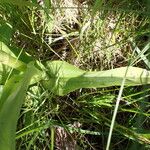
x=115 y=111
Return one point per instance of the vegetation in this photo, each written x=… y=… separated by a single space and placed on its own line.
x=74 y=74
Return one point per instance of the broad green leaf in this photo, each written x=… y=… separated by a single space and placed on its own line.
x=6 y=31
x=8 y=60
x=65 y=78
x=10 y=104
x=4 y=73
x=22 y=55
x=5 y=53
x=6 y=49
x=11 y=61
x=7 y=57
x=15 y=52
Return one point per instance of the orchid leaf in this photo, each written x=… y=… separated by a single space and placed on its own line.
x=64 y=78
x=11 y=101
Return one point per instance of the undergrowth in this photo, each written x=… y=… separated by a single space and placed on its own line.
x=92 y=35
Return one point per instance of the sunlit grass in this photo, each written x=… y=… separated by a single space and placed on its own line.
x=93 y=35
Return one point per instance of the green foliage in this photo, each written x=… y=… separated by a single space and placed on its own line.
x=10 y=104
x=64 y=78
x=96 y=35
x=5 y=36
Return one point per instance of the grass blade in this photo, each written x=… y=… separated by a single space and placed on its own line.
x=115 y=111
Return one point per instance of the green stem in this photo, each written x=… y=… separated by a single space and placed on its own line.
x=52 y=138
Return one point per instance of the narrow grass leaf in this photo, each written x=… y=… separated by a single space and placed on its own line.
x=97 y=6
x=19 y=3
x=141 y=54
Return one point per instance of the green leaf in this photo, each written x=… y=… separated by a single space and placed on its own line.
x=47 y=4
x=96 y=7
x=64 y=77
x=5 y=32
x=22 y=55
x=5 y=69
x=19 y=3
x=10 y=104
x=6 y=49
x=9 y=59
x=4 y=73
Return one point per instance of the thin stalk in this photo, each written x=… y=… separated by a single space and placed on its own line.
x=52 y=138
x=115 y=110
